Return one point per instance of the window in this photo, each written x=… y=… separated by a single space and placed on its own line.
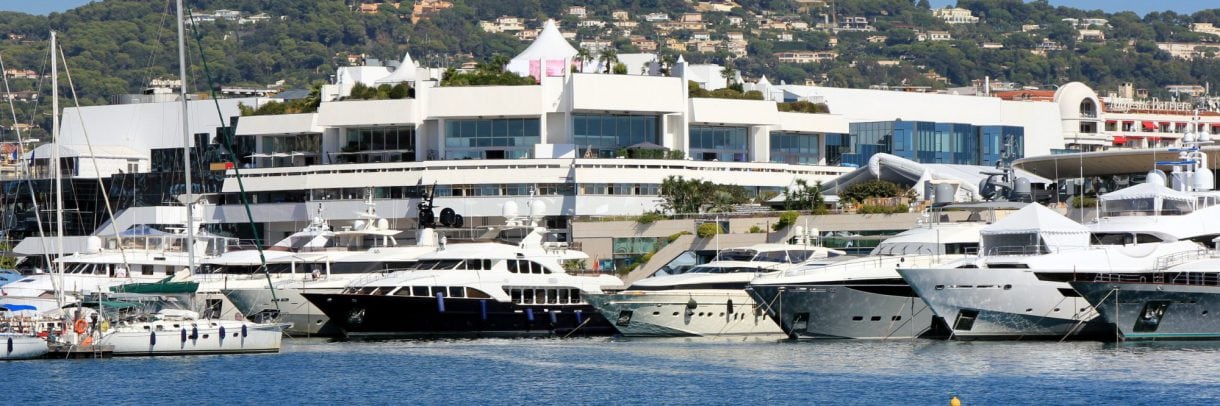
x=726 y=144
x=379 y=144
x=796 y=148
x=602 y=135
x=419 y=291
x=501 y=138
x=455 y=291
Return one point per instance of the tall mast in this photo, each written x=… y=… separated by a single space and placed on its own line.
x=186 y=147
x=57 y=173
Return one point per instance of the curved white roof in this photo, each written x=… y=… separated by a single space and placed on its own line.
x=404 y=73
x=549 y=45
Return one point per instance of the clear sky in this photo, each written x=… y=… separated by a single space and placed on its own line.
x=40 y=6
x=1141 y=7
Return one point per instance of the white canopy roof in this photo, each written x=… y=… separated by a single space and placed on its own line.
x=1035 y=218
x=1147 y=191
x=404 y=73
x=549 y=45
x=1034 y=226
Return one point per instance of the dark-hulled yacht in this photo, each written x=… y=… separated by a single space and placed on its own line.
x=476 y=289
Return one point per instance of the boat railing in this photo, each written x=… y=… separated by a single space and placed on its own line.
x=1165 y=262
x=859 y=264
x=1027 y=250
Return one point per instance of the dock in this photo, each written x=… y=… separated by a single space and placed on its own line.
x=66 y=351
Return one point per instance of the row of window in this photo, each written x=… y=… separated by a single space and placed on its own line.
x=419 y=291
x=527 y=295
x=526 y=266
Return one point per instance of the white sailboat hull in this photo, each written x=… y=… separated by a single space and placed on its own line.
x=193 y=337
x=14 y=347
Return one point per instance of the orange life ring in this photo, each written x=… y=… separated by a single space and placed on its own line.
x=80 y=326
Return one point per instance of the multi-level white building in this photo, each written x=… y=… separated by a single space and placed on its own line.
x=955 y=15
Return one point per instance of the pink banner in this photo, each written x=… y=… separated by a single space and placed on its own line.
x=554 y=67
x=536 y=69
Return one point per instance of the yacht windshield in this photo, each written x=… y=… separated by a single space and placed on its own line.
x=725 y=269
x=737 y=255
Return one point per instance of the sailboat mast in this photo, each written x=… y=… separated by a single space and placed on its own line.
x=57 y=173
x=186 y=146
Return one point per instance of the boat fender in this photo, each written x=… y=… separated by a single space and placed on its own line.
x=184 y=335
x=222 y=334
x=578 y=317
x=88 y=341
x=440 y=302
x=691 y=304
x=483 y=308
x=105 y=325
x=554 y=318
x=152 y=338
x=730 y=306
x=194 y=332
x=10 y=345
x=243 y=331
x=80 y=326
x=529 y=314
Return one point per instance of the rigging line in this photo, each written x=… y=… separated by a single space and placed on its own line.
x=96 y=168
x=156 y=50
x=25 y=172
x=226 y=135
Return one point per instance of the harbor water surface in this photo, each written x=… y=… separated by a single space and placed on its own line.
x=654 y=371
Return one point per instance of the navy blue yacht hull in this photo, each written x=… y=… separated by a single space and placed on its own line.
x=367 y=316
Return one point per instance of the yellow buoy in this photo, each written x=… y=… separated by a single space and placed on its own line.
x=105 y=325
x=954 y=401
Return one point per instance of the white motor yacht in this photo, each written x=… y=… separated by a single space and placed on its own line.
x=1017 y=288
x=138 y=254
x=864 y=297
x=708 y=299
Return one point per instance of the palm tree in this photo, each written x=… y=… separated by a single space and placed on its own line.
x=727 y=73
x=499 y=62
x=584 y=56
x=609 y=57
x=667 y=63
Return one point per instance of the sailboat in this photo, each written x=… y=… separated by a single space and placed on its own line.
x=172 y=329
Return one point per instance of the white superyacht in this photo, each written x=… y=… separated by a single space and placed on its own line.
x=707 y=300
x=864 y=297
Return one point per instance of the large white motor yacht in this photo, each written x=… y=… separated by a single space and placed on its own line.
x=1017 y=287
x=138 y=254
x=707 y=300
x=864 y=297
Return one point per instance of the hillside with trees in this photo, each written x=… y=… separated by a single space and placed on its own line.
x=115 y=47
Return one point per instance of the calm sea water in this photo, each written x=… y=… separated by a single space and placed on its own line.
x=655 y=371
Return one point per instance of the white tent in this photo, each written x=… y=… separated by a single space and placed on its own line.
x=1034 y=229
x=1148 y=198
x=404 y=73
x=550 y=45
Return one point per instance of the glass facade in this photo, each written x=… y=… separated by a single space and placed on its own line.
x=288 y=150
x=928 y=142
x=379 y=144
x=725 y=144
x=604 y=134
x=795 y=148
x=499 y=138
